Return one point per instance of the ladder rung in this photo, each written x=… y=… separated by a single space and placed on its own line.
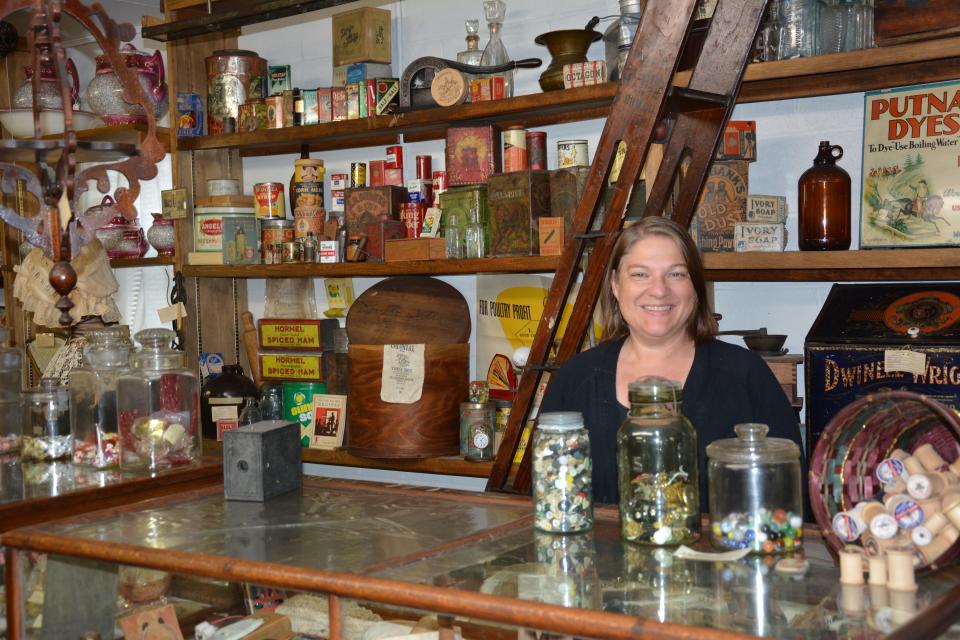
x=591 y=235
x=548 y=367
x=681 y=100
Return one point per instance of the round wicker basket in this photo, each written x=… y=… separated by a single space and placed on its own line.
x=859 y=437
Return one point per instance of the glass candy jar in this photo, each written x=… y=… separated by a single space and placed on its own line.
x=46 y=422
x=158 y=406
x=93 y=397
x=657 y=466
x=562 y=474
x=756 y=500
x=11 y=361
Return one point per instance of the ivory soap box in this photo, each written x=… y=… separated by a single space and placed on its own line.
x=759 y=236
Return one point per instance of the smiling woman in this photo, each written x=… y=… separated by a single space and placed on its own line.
x=657 y=321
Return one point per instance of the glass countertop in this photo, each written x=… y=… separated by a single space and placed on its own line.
x=485 y=544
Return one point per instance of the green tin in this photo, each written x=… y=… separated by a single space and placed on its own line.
x=459 y=201
x=298 y=405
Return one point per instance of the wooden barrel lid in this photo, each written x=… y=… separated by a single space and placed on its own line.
x=409 y=310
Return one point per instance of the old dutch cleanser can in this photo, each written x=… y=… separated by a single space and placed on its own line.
x=537 y=150
x=572 y=153
x=514 y=149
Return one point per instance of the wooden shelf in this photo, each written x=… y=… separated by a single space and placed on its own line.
x=788 y=266
x=802 y=77
x=445 y=466
x=524 y=264
x=155 y=261
x=128 y=133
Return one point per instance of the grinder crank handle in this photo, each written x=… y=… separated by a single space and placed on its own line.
x=526 y=63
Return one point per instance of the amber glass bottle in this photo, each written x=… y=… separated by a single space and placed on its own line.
x=824 y=210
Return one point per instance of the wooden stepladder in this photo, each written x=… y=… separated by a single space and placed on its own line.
x=697 y=115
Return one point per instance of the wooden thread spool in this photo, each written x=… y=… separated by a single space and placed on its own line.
x=924 y=485
x=851 y=565
x=879 y=596
x=921 y=536
x=875 y=546
x=897 y=486
x=937 y=547
x=878 y=570
x=899 y=454
x=852 y=599
x=930 y=506
x=935 y=522
x=951 y=509
x=912 y=465
x=929 y=457
x=900 y=572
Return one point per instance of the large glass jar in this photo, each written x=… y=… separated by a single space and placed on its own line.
x=657 y=466
x=158 y=405
x=93 y=397
x=756 y=501
x=46 y=422
x=11 y=361
x=562 y=474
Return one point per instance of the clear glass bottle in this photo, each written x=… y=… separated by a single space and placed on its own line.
x=46 y=422
x=756 y=499
x=495 y=52
x=798 y=28
x=472 y=54
x=11 y=363
x=562 y=474
x=271 y=401
x=832 y=27
x=250 y=413
x=855 y=19
x=158 y=405
x=657 y=466
x=768 y=44
x=453 y=236
x=824 y=203
x=93 y=397
x=310 y=248
x=473 y=238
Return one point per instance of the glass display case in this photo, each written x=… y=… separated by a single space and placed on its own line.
x=394 y=548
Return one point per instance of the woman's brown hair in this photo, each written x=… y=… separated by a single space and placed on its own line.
x=701 y=326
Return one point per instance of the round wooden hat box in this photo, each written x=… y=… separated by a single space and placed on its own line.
x=863 y=434
x=411 y=310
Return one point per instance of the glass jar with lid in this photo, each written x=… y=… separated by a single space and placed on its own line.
x=46 y=422
x=756 y=498
x=159 y=405
x=657 y=467
x=11 y=361
x=562 y=474
x=93 y=397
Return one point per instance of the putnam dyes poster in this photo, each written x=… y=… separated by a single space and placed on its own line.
x=911 y=167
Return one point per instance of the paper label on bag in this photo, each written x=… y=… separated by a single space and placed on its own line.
x=175 y=312
x=903 y=360
x=402 y=379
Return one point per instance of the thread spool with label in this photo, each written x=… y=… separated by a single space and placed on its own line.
x=905 y=511
x=929 y=457
x=851 y=565
x=847 y=527
x=951 y=509
x=889 y=470
x=921 y=536
x=900 y=571
x=884 y=526
x=924 y=485
x=874 y=546
x=878 y=570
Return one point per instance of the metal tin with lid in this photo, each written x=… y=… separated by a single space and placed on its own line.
x=208 y=224
x=754 y=485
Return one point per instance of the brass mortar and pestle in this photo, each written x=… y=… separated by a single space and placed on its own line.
x=567 y=46
x=759 y=340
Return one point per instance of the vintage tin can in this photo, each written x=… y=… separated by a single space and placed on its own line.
x=306 y=186
x=572 y=153
x=274 y=118
x=424 y=167
x=411 y=214
x=358 y=174
x=234 y=76
x=514 y=149
x=273 y=233
x=338 y=182
x=208 y=225
x=537 y=150
x=269 y=200
x=439 y=182
x=476 y=430
x=253 y=116
x=292 y=252
x=394 y=157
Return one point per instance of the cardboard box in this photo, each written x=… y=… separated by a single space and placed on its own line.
x=859 y=333
x=516 y=201
x=551 y=236
x=762 y=208
x=363 y=205
x=759 y=236
x=473 y=154
x=739 y=141
x=415 y=249
x=296 y=335
x=190 y=116
x=378 y=233
x=722 y=205
x=362 y=35
x=584 y=74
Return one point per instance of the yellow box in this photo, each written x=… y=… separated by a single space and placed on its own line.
x=362 y=35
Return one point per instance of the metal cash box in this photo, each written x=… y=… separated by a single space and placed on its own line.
x=879 y=337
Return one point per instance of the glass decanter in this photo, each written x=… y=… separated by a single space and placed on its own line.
x=472 y=54
x=657 y=465
x=158 y=406
x=93 y=397
x=11 y=361
x=495 y=53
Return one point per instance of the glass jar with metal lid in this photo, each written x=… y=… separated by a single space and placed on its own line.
x=46 y=422
x=657 y=465
x=756 y=499
x=562 y=474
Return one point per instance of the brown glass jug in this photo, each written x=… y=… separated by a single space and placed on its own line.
x=824 y=211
